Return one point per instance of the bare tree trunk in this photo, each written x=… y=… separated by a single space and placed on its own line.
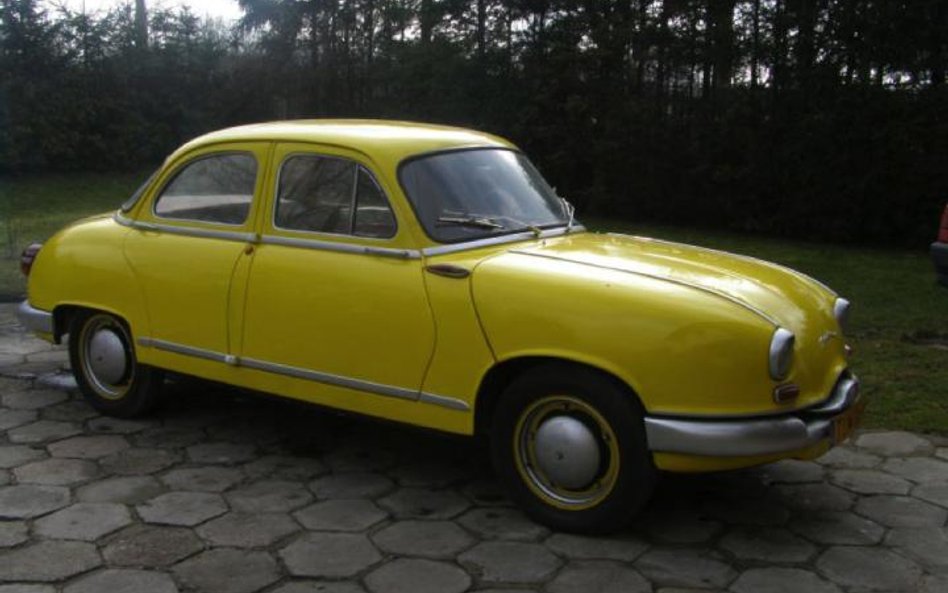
x=141 y=24
x=369 y=32
x=639 y=43
x=804 y=49
x=755 y=44
x=367 y=80
x=779 y=52
x=481 y=29
x=348 y=33
x=721 y=15
x=662 y=45
x=426 y=18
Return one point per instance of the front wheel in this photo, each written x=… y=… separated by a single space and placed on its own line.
x=569 y=444
x=103 y=362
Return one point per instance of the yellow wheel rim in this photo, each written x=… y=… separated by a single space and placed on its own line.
x=529 y=459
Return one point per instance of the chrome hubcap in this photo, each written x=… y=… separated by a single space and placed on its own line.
x=107 y=358
x=104 y=356
x=567 y=452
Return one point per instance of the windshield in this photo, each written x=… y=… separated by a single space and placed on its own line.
x=472 y=194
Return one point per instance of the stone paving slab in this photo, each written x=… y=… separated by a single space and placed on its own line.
x=221 y=491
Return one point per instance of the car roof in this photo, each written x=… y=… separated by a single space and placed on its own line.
x=379 y=139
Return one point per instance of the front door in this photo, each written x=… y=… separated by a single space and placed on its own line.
x=333 y=296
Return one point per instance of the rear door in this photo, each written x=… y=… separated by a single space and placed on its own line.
x=191 y=236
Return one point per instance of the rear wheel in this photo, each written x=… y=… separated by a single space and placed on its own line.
x=569 y=444
x=103 y=361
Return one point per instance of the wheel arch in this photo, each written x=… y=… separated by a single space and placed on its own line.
x=499 y=376
x=63 y=315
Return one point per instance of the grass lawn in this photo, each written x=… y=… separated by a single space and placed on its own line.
x=899 y=319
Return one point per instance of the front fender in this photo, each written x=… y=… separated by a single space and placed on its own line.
x=683 y=351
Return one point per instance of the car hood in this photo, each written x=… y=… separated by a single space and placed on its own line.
x=778 y=294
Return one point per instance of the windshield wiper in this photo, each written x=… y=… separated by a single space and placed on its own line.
x=537 y=231
x=480 y=222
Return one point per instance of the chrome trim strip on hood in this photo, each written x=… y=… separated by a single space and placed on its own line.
x=684 y=283
x=749 y=258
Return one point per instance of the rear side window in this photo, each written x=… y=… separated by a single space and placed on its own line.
x=325 y=194
x=216 y=188
x=133 y=199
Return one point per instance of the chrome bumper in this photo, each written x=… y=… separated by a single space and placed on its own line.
x=35 y=320
x=753 y=436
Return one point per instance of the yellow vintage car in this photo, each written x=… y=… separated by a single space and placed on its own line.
x=429 y=275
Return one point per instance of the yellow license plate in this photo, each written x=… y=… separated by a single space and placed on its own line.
x=846 y=423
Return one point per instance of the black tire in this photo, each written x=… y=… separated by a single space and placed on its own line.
x=610 y=487
x=116 y=385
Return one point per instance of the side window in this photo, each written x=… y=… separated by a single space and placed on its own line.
x=315 y=194
x=331 y=195
x=133 y=199
x=216 y=188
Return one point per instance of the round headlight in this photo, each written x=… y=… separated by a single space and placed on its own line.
x=781 y=354
x=841 y=313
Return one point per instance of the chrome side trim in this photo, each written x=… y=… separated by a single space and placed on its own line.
x=123 y=220
x=182 y=349
x=357 y=384
x=309 y=375
x=341 y=247
x=698 y=287
x=489 y=241
x=35 y=320
x=445 y=402
x=734 y=438
x=186 y=231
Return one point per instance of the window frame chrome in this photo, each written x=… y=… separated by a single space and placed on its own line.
x=186 y=231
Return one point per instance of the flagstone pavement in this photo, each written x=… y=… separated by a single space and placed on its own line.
x=225 y=491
